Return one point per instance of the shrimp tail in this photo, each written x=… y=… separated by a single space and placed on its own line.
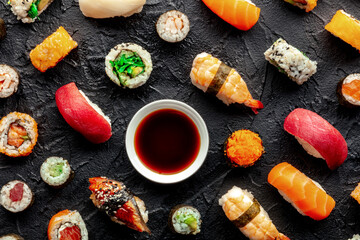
x=254 y=104
x=282 y=237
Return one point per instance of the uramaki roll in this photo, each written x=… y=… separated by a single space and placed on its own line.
x=18 y=134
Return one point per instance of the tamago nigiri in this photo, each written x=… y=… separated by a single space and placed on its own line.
x=213 y=76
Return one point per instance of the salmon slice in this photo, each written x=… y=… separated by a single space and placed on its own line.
x=16 y=135
x=242 y=14
x=71 y=233
x=303 y=193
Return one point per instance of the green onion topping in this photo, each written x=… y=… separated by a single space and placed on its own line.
x=33 y=11
x=128 y=64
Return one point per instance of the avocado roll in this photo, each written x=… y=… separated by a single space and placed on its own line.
x=348 y=91
x=28 y=10
x=16 y=196
x=128 y=65
x=9 y=80
x=56 y=172
x=11 y=236
x=173 y=26
x=185 y=220
x=2 y=29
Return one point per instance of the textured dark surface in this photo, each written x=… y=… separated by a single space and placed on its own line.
x=170 y=79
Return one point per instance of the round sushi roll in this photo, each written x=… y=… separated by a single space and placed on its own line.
x=67 y=225
x=18 y=134
x=9 y=79
x=348 y=91
x=2 y=29
x=128 y=65
x=11 y=236
x=184 y=219
x=56 y=172
x=243 y=148
x=16 y=196
x=173 y=26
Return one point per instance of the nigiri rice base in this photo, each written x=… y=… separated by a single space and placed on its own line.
x=308 y=148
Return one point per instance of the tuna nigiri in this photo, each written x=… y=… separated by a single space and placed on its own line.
x=246 y=213
x=119 y=203
x=242 y=14
x=317 y=136
x=307 y=196
x=213 y=76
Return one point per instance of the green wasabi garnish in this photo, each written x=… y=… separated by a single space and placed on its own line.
x=57 y=170
x=33 y=11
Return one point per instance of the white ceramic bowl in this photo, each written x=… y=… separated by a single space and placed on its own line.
x=130 y=141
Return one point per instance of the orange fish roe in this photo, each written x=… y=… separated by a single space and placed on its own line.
x=54 y=48
x=356 y=193
x=243 y=148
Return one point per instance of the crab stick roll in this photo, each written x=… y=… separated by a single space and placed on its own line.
x=246 y=213
x=348 y=90
x=83 y=115
x=119 y=203
x=308 y=5
x=306 y=195
x=28 y=10
x=345 y=27
x=56 y=172
x=18 y=134
x=52 y=50
x=173 y=26
x=16 y=196
x=242 y=14
x=9 y=80
x=317 y=136
x=67 y=225
x=215 y=77
x=11 y=236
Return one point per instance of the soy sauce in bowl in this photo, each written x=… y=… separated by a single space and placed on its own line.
x=167 y=141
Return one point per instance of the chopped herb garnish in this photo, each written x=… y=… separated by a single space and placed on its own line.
x=33 y=11
x=128 y=64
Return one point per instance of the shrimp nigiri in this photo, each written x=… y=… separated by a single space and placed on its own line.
x=213 y=76
x=246 y=213
x=307 y=196
x=119 y=203
x=242 y=14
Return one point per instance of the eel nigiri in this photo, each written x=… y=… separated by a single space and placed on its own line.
x=307 y=196
x=247 y=214
x=317 y=136
x=213 y=76
x=242 y=14
x=308 y=5
x=119 y=203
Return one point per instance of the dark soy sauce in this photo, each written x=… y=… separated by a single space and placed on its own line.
x=167 y=141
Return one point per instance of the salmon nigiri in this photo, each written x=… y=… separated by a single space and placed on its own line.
x=306 y=195
x=242 y=14
x=213 y=76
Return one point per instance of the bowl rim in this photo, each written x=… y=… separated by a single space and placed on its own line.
x=130 y=138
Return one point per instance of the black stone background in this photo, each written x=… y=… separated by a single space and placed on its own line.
x=170 y=79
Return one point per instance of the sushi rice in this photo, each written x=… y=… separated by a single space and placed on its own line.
x=56 y=171
x=173 y=26
x=28 y=10
x=96 y=107
x=10 y=78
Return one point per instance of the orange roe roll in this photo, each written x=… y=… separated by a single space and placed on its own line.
x=52 y=50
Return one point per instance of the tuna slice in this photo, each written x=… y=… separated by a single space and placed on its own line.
x=317 y=136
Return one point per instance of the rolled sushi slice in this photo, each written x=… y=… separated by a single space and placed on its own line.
x=345 y=27
x=304 y=194
x=2 y=29
x=243 y=148
x=317 y=136
x=83 y=115
x=128 y=65
x=52 y=50
x=355 y=237
x=18 y=134
x=11 y=236
x=56 y=172
x=119 y=203
x=16 y=196
x=308 y=5
x=9 y=80
x=110 y=8
x=28 y=10
x=184 y=219
x=67 y=224
x=173 y=26
x=246 y=213
x=289 y=60
x=348 y=90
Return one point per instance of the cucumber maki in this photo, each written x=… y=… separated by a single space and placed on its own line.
x=184 y=219
x=56 y=172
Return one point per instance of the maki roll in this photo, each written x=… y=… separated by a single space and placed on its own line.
x=243 y=148
x=289 y=60
x=18 y=134
x=348 y=90
x=308 y=5
x=173 y=26
x=16 y=196
x=52 y=50
x=2 y=29
x=28 y=10
x=67 y=225
x=9 y=80
x=11 y=236
x=119 y=203
x=128 y=65
x=56 y=172
x=184 y=219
